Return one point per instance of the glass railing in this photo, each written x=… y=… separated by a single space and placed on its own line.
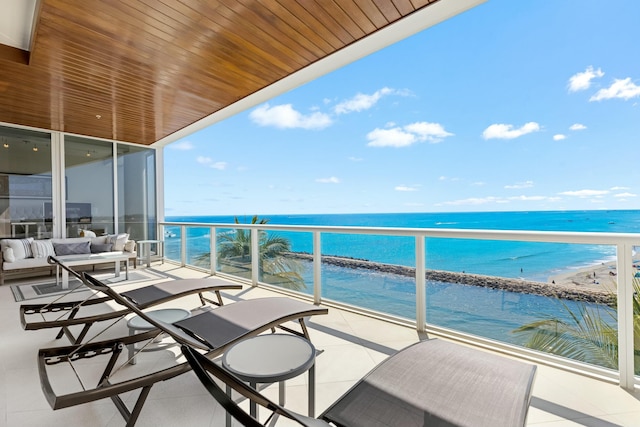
x=524 y=296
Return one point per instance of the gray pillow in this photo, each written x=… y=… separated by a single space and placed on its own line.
x=97 y=248
x=72 y=248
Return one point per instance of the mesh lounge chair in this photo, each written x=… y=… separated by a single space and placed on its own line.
x=431 y=383
x=69 y=313
x=209 y=330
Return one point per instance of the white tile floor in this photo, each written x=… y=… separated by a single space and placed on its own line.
x=351 y=345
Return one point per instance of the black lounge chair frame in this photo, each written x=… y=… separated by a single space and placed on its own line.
x=431 y=383
x=143 y=298
x=211 y=330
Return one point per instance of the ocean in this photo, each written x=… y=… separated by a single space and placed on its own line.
x=480 y=311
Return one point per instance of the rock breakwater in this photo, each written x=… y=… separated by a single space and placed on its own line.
x=574 y=293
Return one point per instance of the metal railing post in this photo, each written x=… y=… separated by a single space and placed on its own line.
x=625 y=315
x=255 y=256
x=183 y=245
x=213 y=250
x=317 y=268
x=421 y=302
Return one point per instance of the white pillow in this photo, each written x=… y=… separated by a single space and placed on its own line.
x=118 y=241
x=21 y=247
x=130 y=246
x=7 y=255
x=42 y=248
x=87 y=233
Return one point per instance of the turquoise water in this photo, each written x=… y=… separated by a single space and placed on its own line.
x=485 y=312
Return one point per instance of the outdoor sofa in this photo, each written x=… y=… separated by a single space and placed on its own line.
x=22 y=256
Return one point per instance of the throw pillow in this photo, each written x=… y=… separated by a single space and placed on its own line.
x=7 y=255
x=72 y=248
x=97 y=248
x=21 y=247
x=87 y=233
x=118 y=241
x=42 y=248
x=130 y=246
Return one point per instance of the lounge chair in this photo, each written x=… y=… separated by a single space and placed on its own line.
x=431 y=383
x=211 y=330
x=68 y=313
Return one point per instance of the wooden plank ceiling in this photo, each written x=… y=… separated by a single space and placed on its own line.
x=140 y=70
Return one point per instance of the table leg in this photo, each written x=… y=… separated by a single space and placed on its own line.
x=281 y=396
x=132 y=349
x=65 y=277
x=253 y=407
x=312 y=391
x=126 y=269
x=117 y=268
x=228 y=416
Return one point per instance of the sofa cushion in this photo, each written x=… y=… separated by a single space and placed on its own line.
x=7 y=255
x=97 y=248
x=118 y=241
x=42 y=248
x=100 y=240
x=72 y=248
x=21 y=247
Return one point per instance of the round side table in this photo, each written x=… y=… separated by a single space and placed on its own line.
x=272 y=358
x=138 y=324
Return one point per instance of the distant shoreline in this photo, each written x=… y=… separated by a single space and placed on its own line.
x=560 y=289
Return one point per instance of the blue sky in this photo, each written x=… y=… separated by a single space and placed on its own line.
x=512 y=106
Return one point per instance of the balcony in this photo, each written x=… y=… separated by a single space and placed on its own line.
x=353 y=338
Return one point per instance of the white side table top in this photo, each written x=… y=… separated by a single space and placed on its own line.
x=270 y=358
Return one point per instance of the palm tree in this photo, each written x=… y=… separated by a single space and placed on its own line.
x=589 y=336
x=275 y=267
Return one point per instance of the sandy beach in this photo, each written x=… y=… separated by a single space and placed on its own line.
x=601 y=277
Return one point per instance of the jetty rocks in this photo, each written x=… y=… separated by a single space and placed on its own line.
x=574 y=293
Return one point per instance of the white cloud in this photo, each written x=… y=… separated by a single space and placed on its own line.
x=559 y=137
x=405 y=188
x=585 y=193
x=625 y=195
x=361 y=101
x=330 y=180
x=473 y=201
x=620 y=88
x=523 y=198
x=203 y=160
x=478 y=184
x=432 y=132
x=219 y=165
x=407 y=135
x=286 y=117
x=182 y=145
x=617 y=188
x=577 y=126
x=395 y=137
x=502 y=131
x=519 y=185
x=582 y=81
x=356 y=159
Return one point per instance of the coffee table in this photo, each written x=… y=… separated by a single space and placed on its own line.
x=272 y=358
x=138 y=324
x=90 y=259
